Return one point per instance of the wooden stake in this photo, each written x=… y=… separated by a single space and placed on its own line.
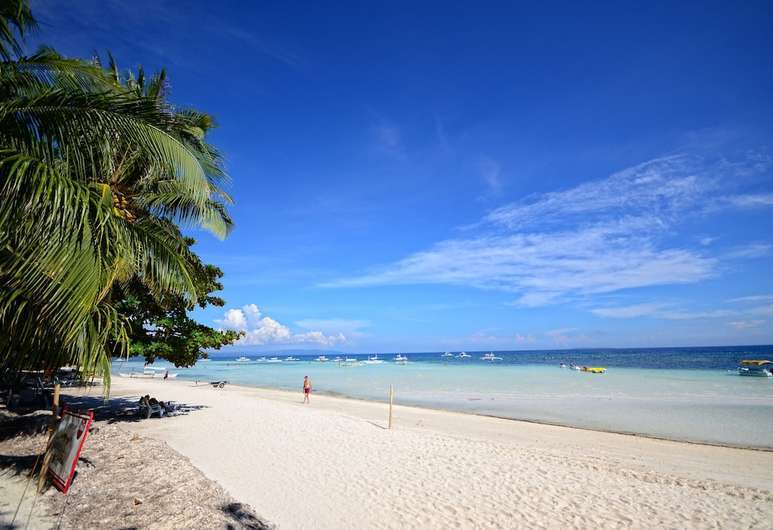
x=51 y=429
x=391 y=400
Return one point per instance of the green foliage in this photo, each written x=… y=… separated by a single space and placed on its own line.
x=159 y=327
x=97 y=174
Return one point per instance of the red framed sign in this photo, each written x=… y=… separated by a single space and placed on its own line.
x=66 y=446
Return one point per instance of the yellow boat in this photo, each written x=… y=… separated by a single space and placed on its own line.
x=593 y=369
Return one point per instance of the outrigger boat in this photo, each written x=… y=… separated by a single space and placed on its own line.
x=446 y=354
x=150 y=373
x=756 y=368
x=373 y=359
x=464 y=355
x=401 y=359
x=490 y=357
x=321 y=359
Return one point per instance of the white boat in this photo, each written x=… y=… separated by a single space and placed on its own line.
x=490 y=357
x=464 y=355
x=243 y=360
x=273 y=360
x=348 y=361
x=150 y=373
x=373 y=359
x=401 y=359
x=290 y=358
x=755 y=368
x=322 y=359
x=446 y=354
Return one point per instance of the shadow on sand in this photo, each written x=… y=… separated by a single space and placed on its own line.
x=243 y=517
x=119 y=409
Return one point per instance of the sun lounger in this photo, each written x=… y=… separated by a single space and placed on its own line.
x=147 y=409
x=218 y=384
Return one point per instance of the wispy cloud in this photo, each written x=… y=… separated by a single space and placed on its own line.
x=751 y=200
x=262 y=330
x=599 y=237
x=661 y=311
x=743 y=325
x=630 y=311
x=751 y=298
x=386 y=136
x=491 y=173
x=663 y=187
x=352 y=329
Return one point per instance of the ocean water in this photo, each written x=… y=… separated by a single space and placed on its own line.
x=689 y=394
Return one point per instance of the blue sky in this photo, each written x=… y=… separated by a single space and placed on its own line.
x=445 y=177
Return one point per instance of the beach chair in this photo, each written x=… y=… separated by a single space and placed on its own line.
x=147 y=409
x=218 y=384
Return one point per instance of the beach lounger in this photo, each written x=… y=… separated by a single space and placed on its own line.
x=147 y=409
x=218 y=384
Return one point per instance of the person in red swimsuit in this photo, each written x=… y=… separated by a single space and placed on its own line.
x=306 y=389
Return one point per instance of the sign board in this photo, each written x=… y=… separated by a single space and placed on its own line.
x=66 y=446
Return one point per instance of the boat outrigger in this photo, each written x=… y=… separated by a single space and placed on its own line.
x=756 y=368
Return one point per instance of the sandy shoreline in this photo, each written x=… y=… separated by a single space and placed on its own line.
x=333 y=465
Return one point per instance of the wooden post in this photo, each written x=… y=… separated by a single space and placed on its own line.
x=391 y=399
x=51 y=429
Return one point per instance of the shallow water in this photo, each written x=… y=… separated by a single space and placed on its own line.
x=699 y=404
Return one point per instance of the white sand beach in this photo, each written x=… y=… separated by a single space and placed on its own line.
x=332 y=464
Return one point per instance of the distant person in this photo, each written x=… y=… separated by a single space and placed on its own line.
x=166 y=375
x=306 y=389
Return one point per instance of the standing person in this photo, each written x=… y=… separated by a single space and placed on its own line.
x=306 y=389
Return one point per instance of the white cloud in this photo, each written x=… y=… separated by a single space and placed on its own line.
x=599 y=237
x=334 y=326
x=752 y=298
x=562 y=336
x=261 y=330
x=234 y=319
x=742 y=325
x=751 y=200
x=544 y=267
x=661 y=311
x=662 y=187
x=753 y=250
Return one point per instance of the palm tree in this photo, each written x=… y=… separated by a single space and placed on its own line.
x=97 y=173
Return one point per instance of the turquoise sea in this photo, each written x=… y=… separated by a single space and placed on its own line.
x=680 y=393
